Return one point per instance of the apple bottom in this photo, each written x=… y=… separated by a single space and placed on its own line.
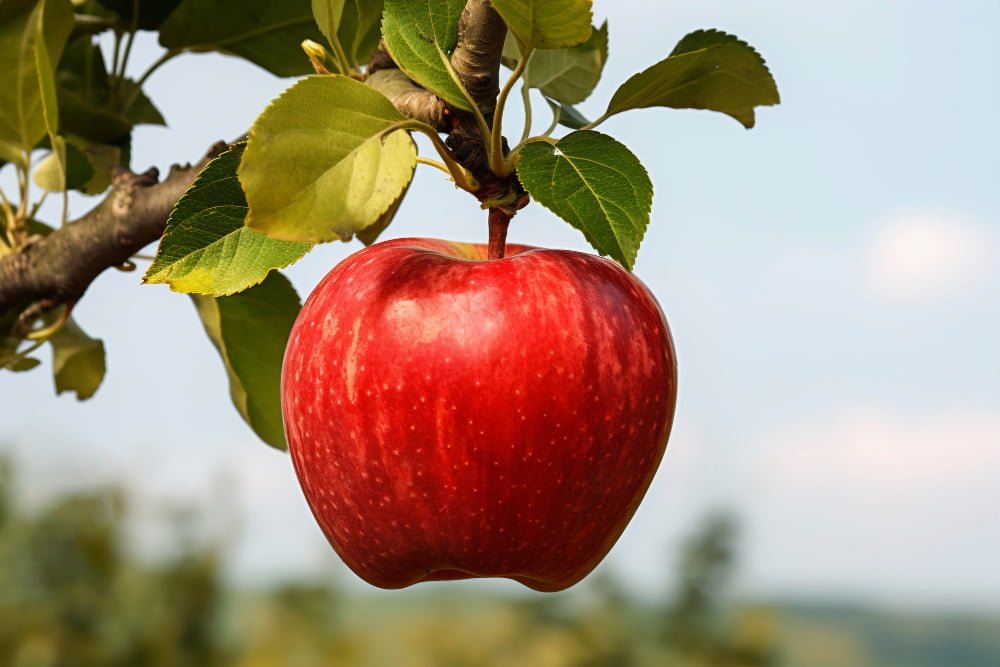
x=452 y=418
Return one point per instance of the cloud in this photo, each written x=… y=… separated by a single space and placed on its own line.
x=880 y=505
x=922 y=257
x=871 y=451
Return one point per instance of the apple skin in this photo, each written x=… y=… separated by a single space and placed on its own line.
x=451 y=417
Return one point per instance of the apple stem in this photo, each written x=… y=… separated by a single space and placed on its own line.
x=499 y=221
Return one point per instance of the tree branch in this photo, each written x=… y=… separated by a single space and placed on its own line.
x=58 y=268
x=476 y=58
x=410 y=99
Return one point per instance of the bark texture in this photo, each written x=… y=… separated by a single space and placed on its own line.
x=57 y=269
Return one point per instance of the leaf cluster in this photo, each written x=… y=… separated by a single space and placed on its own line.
x=332 y=157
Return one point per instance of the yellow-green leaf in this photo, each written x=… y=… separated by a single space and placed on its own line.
x=566 y=75
x=327 y=14
x=23 y=24
x=77 y=361
x=206 y=248
x=547 y=24
x=318 y=164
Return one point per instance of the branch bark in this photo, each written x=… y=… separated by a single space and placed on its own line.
x=476 y=58
x=58 y=268
x=409 y=99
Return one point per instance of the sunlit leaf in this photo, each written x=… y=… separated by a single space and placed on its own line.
x=566 y=75
x=47 y=91
x=317 y=166
x=22 y=121
x=546 y=24
x=328 y=14
x=52 y=172
x=206 y=248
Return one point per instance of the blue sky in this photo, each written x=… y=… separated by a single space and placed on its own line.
x=831 y=278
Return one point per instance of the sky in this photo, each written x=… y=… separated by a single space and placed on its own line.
x=831 y=277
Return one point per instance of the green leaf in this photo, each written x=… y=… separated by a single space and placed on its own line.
x=565 y=75
x=420 y=36
x=152 y=13
x=265 y=32
x=569 y=116
x=327 y=14
x=141 y=111
x=47 y=95
x=77 y=361
x=102 y=158
x=546 y=24
x=10 y=153
x=22 y=121
x=250 y=331
x=354 y=24
x=88 y=106
x=52 y=173
x=88 y=167
x=23 y=364
x=596 y=184
x=317 y=166
x=206 y=249
x=360 y=29
x=707 y=69
x=76 y=116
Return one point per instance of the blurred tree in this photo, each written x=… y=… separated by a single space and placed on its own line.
x=699 y=619
x=70 y=596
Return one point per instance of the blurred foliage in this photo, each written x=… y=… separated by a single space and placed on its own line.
x=73 y=594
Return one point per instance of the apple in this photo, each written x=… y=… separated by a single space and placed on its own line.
x=450 y=416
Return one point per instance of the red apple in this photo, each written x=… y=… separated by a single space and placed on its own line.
x=451 y=417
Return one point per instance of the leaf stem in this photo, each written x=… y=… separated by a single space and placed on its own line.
x=463 y=177
x=594 y=123
x=18 y=229
x=556 y=115
x=116 y=52
x=343 y=62
x=133 y=28
x=433 y=163
x=43 y=334
x=38 y=204
x=526 y=99
x=512 y=156
x=18 y=356
x=498 y=163
x=499 y=221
